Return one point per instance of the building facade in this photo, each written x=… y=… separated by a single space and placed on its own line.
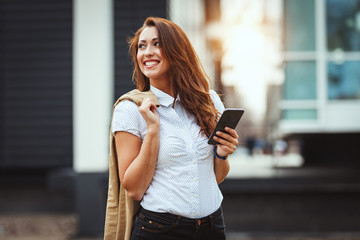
x=320 y=98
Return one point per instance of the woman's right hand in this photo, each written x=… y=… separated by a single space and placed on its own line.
x=148 y=112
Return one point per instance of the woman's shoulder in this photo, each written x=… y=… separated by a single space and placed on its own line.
x=213 y=93
x=127 y=118
x=217 y=101
x=214 y=96
x=126 y=106
x=127 y=109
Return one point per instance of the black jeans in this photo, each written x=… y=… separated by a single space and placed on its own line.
x=166 y=226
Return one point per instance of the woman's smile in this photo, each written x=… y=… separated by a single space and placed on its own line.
x=150 y=57
x=151 y=63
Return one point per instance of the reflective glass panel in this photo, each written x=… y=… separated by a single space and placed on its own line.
x=299 y=23
x=343 y=24
x=344 y=80
x=301 y=114
x=300 y=80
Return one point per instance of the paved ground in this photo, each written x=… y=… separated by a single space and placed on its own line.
x=37 y=227
x=63 y=227
x=297 y=237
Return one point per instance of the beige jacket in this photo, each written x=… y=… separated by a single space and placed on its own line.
x=120 y=208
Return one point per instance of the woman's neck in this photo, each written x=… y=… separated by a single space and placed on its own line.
x=166 y=86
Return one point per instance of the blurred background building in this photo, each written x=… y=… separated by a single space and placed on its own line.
x=293 y=65
x=319 y=103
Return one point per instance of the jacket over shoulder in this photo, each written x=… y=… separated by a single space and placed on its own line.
x=120 y=208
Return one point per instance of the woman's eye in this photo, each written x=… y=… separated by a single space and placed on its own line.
x=141 y=45
x=156 y=44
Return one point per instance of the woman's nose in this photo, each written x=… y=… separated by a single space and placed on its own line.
x=149 y=51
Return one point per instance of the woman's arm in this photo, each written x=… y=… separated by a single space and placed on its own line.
x=221 y=168
x=137 y=159
x=226 y=147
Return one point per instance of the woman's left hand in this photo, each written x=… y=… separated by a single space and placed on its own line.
x=229 y=142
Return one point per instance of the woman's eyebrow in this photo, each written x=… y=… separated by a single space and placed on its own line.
x=154 y=39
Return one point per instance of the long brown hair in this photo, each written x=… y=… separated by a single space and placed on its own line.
x=190 y=79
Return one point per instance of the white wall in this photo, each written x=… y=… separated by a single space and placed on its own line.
x=342 y=116
x=92 y=83
x=339 y=117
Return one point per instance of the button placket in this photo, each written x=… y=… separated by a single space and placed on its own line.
x=187 y=135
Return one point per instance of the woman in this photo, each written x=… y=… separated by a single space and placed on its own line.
x=163 y=155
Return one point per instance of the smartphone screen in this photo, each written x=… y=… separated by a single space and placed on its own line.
x=230 y=118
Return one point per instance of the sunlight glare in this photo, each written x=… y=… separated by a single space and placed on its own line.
x=250 y=60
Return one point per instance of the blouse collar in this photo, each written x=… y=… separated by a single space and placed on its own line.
x=164 y=99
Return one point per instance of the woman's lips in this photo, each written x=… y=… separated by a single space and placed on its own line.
x=151 y=63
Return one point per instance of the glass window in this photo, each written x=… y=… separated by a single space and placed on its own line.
x=343 y=24
x=300 y=81
x=299 y=23
x=299 y=114
x=344 y=80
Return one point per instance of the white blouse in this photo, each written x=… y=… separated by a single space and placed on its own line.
x=184 y=182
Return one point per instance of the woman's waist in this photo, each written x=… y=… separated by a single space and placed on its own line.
x=170 y=217
x=188 y=204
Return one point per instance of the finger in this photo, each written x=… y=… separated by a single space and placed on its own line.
x=232 y=132
x=148 y=104
x=153 y=107
x=225 y=150
x=149 y=101
x=225 y=142
x=224 y=135
x=228 y=137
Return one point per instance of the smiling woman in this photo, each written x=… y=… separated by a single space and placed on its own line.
x=163 y=157
x=150 y=58
x=186 y=74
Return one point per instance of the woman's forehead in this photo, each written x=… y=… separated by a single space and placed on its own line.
x=149 y=33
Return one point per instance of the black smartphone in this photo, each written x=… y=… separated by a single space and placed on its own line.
x=230 y=118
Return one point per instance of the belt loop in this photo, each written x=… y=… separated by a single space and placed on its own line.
x=178 y=221
x=211 y=221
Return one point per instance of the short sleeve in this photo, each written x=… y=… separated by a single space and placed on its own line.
x=217 y=101
x=126 y=118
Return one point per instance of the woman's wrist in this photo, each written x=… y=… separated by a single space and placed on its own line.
x=218 y=156
x=153 y=129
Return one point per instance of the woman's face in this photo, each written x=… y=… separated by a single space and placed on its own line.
x=149 y=56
